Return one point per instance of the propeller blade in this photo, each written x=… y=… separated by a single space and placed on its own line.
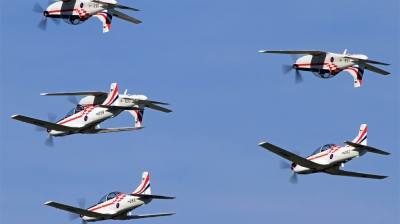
x=37 y=8
x=73 y=100
x=49 y=141
x=55 y=20
x=81 y=203
x=72 y=216
x=284 y=165
x=37 y=128
x=43 y=24
x=52 y=117
x=286 y=69
x=299 y=79
x=294 y=57
x=293 y=178
x=83 y=221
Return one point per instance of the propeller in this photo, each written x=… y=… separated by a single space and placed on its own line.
x=285 y=165
x=293 y=178
x=49 y=140
x=287 y=68
x=43 y=23
x=73 y=216
x=73 y=100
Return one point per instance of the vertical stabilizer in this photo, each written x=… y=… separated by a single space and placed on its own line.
x=362 y=135
x=112 y=99
x=144 y=187
x=357 y=71
x=105 y=17
x=138 y=115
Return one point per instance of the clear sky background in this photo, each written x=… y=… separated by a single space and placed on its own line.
x=202 y=58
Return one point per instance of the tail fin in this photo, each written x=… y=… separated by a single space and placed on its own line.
x=138 y=115
x=112 y=99
x=361 y=138
x=144 y=187
x=357 y=71
x=105 y=17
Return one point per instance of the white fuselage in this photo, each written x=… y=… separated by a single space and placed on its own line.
x=93 y=114
x=75 y=12
x=119 y=206
x=326 y=65
x=334 y=156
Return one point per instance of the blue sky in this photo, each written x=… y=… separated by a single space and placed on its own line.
x=202 y=57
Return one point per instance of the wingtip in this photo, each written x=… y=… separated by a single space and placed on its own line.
x=47 y=203
x=261 y=143
x=13 y=116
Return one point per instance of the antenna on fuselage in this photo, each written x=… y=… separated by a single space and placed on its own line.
x=345 y=51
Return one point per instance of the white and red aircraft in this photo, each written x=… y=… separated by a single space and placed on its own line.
x=327 y=65
x=116 y=205
x=93 y=109
x=76 y=12
x=328 y=158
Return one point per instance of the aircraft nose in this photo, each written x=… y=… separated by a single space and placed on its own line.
x=46 y=13
x=293 y=166
x=295 y=66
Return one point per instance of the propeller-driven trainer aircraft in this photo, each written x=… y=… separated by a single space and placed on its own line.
x=116 y=205
x=327 y=65
x=93 y=109
x=328 y=158
x=76 y=12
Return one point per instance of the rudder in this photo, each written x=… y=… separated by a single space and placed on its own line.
x=105 y=17
x=112 y=98
x=357 y=71
x=362 y=135
x=144 y=187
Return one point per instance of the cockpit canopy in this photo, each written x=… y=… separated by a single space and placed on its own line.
x=109 y=196
x=322 y=148
x=322 y=73
x=75 y=110
x=72 y=19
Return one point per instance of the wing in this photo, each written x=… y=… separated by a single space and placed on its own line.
x=368 y=148
x=152 y=196
x=290 y=156
x=315 y=53
x=128 y=217
x=87 y=93
x=125 y=7
x=108 y=130
x=45 y=124
x=125 y=17
x=75 y=210
x=352 y=174
x=377 y=70
x=147 y=103
x=366 y=60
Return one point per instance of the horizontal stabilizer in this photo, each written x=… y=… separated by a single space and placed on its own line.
x=125 y=7
x=108 y=130
x=353 y=174
x=315 y=53
x=368 y=148
x=375 y=69
x=86 y=93
x=366 y=60
x=125 y=17
x=128 y=217
x=151 y=196
x=75 y=210
x=152 y=105
x=120 y=107
x=44 y=124
x=290 y=156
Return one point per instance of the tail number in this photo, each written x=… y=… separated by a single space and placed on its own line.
x=100 y=113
